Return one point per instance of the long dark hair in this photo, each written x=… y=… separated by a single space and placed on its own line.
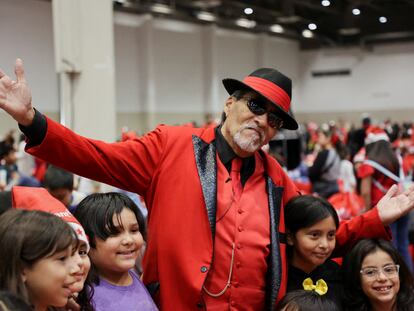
x=25 y=238
x=382 y=153
x=95 y=213
x=355 y=299
x=12 y=302
x=85 y=296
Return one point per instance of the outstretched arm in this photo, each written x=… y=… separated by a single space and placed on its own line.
x=129 y=165
x=15 y=96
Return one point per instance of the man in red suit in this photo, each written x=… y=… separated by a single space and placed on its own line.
x=215 y=200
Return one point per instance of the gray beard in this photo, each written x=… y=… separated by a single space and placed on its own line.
x=245 y=144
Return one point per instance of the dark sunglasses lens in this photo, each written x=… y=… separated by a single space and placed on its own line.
x=274 y=121
x=256 y=106
x=259 y=108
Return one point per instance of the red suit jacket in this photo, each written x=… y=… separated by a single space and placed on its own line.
x=174 y=169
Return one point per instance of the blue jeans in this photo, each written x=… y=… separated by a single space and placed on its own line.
x=399 y=230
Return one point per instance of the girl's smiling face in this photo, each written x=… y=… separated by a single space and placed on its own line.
x=49 y=280
x=313 y=245
x=82 y=260
x=380 y=280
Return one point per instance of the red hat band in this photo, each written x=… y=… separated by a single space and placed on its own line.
x=270 y=90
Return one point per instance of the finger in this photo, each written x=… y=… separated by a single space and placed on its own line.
x=391 y=192
x=409 y=190
x=6 y=82
x=19 y=71
x=2 y=73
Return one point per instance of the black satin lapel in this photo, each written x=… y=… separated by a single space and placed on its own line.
x=275 y=262
x=205 y=156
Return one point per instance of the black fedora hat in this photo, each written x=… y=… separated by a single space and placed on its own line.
x=273 y=86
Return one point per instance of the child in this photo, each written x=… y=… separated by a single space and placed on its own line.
x=60 y=184
x=34 y=198
x=311 y=224
x=304 y=300
x=82 y=293
x=116 y=229
x=324 y=172
x=39 y=266
x=377 y=278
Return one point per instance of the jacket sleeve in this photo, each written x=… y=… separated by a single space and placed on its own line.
x=129 y=165
x=364 y=226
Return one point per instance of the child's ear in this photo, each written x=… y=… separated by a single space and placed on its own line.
x=289 y=238
x=23 y=275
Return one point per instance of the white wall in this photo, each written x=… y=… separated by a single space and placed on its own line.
x=184 y=63
x=26 y=31
x=127 y=55
x=380 y=79
x=284 y=55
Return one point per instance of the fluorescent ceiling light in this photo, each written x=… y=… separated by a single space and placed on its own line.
x=248 y=11
x=307 y=33
x=383 y=19
x=246 y=23
x=356 y=11
x=161 y=8
x=326 y=3
x=277 y=28
x=206 y=16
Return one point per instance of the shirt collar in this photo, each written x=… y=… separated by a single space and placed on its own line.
x=225 y=152
x=226 y=155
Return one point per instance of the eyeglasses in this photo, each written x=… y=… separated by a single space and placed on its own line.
x=258 y=107
x=389 y=271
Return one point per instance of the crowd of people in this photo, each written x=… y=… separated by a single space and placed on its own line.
x=221 y=224
x=354 y=168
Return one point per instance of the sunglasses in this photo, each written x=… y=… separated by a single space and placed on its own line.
x=258 y=107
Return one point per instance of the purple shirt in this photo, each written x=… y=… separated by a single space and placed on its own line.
x=134 y=297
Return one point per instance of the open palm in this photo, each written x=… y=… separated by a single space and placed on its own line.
x=15 y=96
x=393 y=205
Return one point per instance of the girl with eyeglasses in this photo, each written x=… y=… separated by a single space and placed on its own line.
x=376 y=278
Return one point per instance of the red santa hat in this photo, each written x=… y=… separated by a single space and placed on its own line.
x=374 y=134
x=32 y=198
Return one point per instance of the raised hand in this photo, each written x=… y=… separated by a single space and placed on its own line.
x=393 y=205
x=15 y=96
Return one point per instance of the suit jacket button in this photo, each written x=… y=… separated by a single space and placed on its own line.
x=204 y=269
